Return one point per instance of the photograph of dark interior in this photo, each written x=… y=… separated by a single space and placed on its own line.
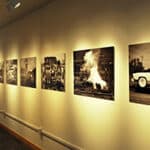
x=94 y=73
x=53 y=73
x=1 y=71
x=11 y=71
x=28 y=72
x=139 y=73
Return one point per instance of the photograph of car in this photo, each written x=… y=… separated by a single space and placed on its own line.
x=141 y=79
x=139 y=73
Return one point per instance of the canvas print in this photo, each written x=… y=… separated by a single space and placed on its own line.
x=94 y=73
x=28 y=72
x=53 y=73
x=11 y=71
x=1 y=71
x=139 y=73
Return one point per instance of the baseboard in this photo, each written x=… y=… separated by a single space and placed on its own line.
x=61 y=141
x=41 y=133
x=23 y=122
x=2 y=111
x=31 y=145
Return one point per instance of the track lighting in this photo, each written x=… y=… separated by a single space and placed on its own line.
x=13 y=4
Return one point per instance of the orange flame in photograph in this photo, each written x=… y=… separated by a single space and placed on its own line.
x=91 y=64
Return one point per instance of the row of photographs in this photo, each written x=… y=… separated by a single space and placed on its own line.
x=93 y=72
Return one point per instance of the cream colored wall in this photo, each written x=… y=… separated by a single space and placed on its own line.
x=139 y=32
x=20 y=40
x=88 y=122
x=62 y=27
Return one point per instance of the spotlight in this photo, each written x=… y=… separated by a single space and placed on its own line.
x=13 y=4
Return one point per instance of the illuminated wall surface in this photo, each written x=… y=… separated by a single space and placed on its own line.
x=61 y=28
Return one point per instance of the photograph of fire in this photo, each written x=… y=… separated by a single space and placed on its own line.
x=1 y=71
x=53 y=73
x=11 y=71
x=28 y=72
x=139 y=73
x=94 y=73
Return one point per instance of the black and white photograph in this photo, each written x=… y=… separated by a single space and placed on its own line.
x=53 y=72
x=28 y=72
x=94 y=73
x=11 y=71
x=1 y=71
x=139 y=73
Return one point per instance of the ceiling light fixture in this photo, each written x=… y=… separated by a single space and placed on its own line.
x=13 y=4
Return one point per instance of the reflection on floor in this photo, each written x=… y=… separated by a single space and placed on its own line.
x=9 y=142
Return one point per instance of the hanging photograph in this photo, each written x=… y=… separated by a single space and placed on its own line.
x=94 y=73
x=1 y=71
x=28 y=72
x=139 y=73
x=53 y=73
x=11 y=71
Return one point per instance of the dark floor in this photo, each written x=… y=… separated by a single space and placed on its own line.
x=9 y=142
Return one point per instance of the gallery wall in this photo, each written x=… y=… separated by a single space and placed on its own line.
x=63 y=27
x=88 y=122
x=138 y=32
x=22 y=102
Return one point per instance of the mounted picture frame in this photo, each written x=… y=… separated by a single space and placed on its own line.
x=1 y=71
x=28 y=72
x=94 y=73
x=53 y=72
x=139 y=73
x=11 y=71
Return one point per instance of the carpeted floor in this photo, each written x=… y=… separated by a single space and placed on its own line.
x=8 y=142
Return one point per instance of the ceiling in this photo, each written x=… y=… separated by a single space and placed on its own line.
x=27 y=6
